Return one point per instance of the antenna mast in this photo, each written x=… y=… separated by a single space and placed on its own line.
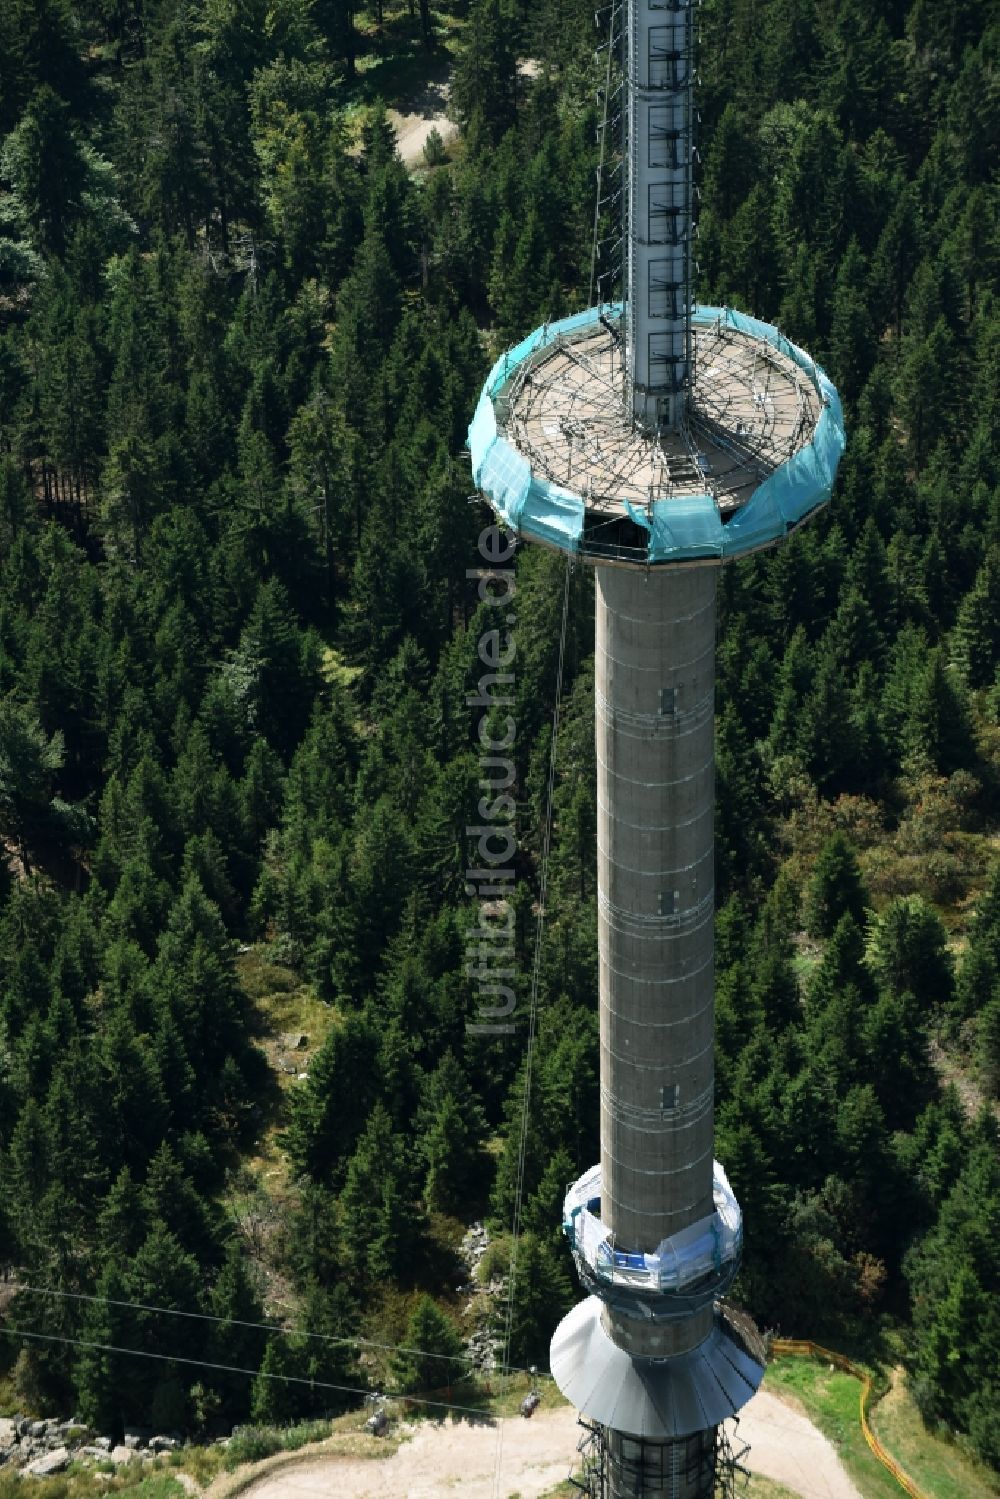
x=659 y=76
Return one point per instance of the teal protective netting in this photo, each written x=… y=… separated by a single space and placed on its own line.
x=679 y=529
x=527 y=503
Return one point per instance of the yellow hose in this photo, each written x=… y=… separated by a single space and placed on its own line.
x=803 y=1346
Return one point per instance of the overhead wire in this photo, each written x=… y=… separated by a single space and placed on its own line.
x=316 y=1384
x=203 y=1363
x=533 y=1009
x=346 y=1339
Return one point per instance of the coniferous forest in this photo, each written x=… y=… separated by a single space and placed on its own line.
x=240 y=344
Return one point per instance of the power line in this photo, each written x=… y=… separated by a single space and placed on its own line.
x=533 y=1008
x=316 y=1384
x=202 y=1363
x=324 y=1337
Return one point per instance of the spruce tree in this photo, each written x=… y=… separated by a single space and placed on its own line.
x=988 y=1048
x=431 y=1357
x=835 y=889
x=328 y=1111
x=542 y=1296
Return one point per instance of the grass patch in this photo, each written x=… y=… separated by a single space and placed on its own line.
x=768 y=1488
x=937 y=1466
x=831 y=1400
x=496 y=1260
x=261 y=979
x=285 y=1006
x=202 y=1463
x=285 y=1002
x=251 y=1444
x=156 y=1486
x=261 y=1190
x=301 y=1011
x=134 y=1479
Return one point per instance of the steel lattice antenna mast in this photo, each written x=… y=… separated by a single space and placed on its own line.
x=658 y=67
x=727 y=437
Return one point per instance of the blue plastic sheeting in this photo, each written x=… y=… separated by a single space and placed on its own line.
x=686 y=527
x=482 y=434
x=527 y=503
x=505 y=475
x=756 y=525
x=805 y=482
x=553 y=514
x=679 y=529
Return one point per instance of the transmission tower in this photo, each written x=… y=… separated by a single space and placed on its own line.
x=655 y=440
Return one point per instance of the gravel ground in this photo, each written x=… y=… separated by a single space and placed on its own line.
x=445 y=1459
x=786 y=1446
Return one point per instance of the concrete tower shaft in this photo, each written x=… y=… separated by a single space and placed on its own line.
x=655 y=686
x=659 y=76
x=654 y=725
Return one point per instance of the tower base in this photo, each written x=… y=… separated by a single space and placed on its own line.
x=708 y=1465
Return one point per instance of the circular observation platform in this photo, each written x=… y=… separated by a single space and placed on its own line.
x=562 y=463
x=688 y=1270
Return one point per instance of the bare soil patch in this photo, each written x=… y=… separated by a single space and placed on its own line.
x=446 y=1458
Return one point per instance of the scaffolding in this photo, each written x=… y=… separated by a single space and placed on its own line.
x=707 y=1465
x=566 y=464
x=687 y=1268
x=607 y=254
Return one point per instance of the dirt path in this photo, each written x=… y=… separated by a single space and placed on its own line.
x=439 y=1461
x=786 y=1446
x=428 y=111
x=442 y=1460
x=422 y=115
